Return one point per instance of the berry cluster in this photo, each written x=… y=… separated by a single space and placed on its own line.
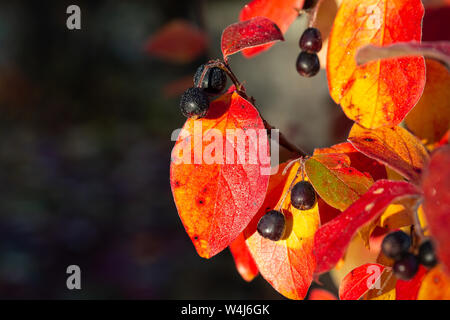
x=272 y=225
x=195 y=101
x=308 y=64
x=396 y=246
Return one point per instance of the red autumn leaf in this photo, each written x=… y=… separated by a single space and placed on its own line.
x=360 y=280
x=408 y=289
x=248 y=34
x=436 y=205
x=178 y=41
x=321 y=294
x=287 y=264
x=326 y=212
x=281 y=12
x=336 y=182
x=358 y=160
x=219 y=188
x=333 y=238
x=430 y=118
x=395 y=147
x=380 y=93
x=245 y=264
x=439 y=51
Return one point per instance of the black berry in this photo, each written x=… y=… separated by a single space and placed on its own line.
x=303 y=196
x=194 y=103
x=406 y=268
x=214 y=81
x=427 y=255
x=396 y=245
x=311 y=40
x=271 y=225
x=308 y=64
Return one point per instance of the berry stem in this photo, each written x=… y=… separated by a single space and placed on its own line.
x=313 y=13
x=284 y=141
x=417 y=227
x=290 y=187
x=225 y=67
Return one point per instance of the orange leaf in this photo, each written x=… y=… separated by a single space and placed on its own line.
x=380 y=93
x=335 y=181
x=409 y=289
x=333 y=238
x=287 y=264
x=430 y=118
x=245 y=264
x=248 y=34
x=435 y=285
x=216 y=198
x=321 y=294
x=386 y=290
x=360 y=280
x=178 y=41
x=358 y=160
x=281 y=12
x=436 y=205
x=395 y=147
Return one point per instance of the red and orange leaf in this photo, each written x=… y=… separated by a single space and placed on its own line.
x=281 y=12
x=333 y=238
x=321 y=294
x=435 y=285
x=287 y=264
x=335 y=181
x=245 y=264
x=436 y=205
x=386 y=290
x=358 y=160
x=380 y=93
x=409 y=289
x=360 y=280
x=395 y=147
x=248 y=34
x=326 y=212
x=179 y=41
x=430 y=118
x=216 y=198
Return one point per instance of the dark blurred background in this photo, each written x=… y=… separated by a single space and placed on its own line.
x=85 y=144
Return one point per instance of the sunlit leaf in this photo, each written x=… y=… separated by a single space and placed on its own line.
x=335 y=180
x=395 y=147
x=386 y=289
x=358 y=160
x=430 y=118
x=287 y=264
x=248 y=34
x=409 y=289
x=436 y=205
x=245 y=264
x=357 y=282
x=321 y=294
x=333 y=238
x=216 y=195
x=435 y=285
x=382 y=92
x=281 y=12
